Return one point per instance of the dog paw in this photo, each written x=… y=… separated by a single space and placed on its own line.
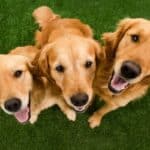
x=71 y=115
x=33 y=119
x=94 y=121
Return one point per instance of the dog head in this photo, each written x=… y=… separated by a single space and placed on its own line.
x=129 y=46
x=71 y=63
x=15 y=86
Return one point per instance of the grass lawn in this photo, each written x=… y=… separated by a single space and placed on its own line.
x=127 y=128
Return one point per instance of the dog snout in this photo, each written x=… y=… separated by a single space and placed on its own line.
x=13 y=104
x=130 y=70
x=79 y=99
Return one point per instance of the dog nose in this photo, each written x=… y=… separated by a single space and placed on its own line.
x=13 y=104
x=130 y=70
x=79 y=99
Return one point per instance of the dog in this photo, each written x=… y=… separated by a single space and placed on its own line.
x=125 y=74
x=24 y=95
x=68 y=56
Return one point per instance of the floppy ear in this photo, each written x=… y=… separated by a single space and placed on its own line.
x=99 y=51
x=112 y=39
x=100 y=54
x=43 y=63
x=40 y=65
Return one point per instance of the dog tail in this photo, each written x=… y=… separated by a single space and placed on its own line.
x=43 y=15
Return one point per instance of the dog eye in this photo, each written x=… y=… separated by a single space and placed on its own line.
x=18 y=73
x=88 y=64
x=135 y=38
x=60 y=68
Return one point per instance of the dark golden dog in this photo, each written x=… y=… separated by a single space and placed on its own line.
x=125 y=74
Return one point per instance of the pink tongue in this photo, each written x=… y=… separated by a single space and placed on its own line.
x=118 y=83
x=23 y=115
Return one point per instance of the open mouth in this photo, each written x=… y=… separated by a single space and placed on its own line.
x=117 y=83
x=23 y=115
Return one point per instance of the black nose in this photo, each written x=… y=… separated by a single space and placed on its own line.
x=130 y=70
x=79 y=99
x=13 y=104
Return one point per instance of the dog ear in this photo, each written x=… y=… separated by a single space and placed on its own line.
x=35 y=68
x=43 y=61
x=40 y=65
x=112 y=39
x=99 y=51
x=100 y=54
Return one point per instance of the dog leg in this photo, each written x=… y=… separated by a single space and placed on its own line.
x=71 y=114
x=34 y=117
x=96 y=118
x=37 y=108
x=35 y=113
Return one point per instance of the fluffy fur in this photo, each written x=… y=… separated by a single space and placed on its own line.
x=119 y=47
x=67 y=43
x=35 y=93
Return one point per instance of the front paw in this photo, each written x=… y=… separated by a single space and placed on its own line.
x=33 y=119
x=71 y=114
x=94 y=120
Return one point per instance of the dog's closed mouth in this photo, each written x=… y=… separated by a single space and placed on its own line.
x=117 y=83
x=23 y=115
x=80 y=109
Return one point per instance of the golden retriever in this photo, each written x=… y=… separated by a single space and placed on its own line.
x=24 y=95
x=125 y=74
x=68 y=56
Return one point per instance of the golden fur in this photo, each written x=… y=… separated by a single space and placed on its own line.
x=69 y=43
x=30 y=89
x=119 y=47
x=28 y=51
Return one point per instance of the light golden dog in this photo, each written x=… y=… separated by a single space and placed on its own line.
x=68 y=56
x=125 y=74
x=24 y=95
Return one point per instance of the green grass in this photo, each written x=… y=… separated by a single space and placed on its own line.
x=127 y=128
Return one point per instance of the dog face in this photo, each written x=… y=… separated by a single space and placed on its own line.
x=131 y=47
x=15 y=86
x=71 y=63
